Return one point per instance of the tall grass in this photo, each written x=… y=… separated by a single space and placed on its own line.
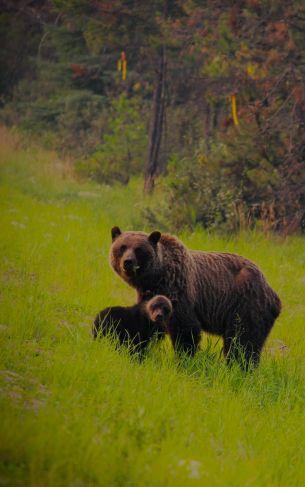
x=79 y=413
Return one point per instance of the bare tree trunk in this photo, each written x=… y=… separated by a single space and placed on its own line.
x=155 y=134
x=207 y=127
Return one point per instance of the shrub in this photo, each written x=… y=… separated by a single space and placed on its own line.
x=239 y=181
x=122 y=152
x=73 y=120
x=196 y=192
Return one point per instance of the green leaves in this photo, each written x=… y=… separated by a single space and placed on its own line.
x=122 y=151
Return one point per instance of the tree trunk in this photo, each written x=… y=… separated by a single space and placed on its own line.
x=155 y=134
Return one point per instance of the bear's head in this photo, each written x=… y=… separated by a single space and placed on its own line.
x=159 y=309
x=134 y=255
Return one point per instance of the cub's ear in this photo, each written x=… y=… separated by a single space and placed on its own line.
x=154 y=238
x=115 y=232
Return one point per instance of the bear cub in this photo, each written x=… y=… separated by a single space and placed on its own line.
x=136 y=324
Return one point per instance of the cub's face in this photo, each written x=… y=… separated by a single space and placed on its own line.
x=133 y=254
x=159 y=309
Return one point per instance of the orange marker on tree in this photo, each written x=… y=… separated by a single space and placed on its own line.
x=122 y=65
x=234 y=113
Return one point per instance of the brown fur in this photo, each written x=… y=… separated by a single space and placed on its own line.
x=242 y=277
x=221 y=293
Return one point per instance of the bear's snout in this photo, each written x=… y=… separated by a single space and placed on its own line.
x=159 y=317
x=128 y=264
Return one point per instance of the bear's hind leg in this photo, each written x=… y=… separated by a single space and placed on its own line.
x=242 y=351
x=243 y=342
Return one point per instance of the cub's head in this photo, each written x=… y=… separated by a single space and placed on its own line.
x=134 y=255
x=159 y=309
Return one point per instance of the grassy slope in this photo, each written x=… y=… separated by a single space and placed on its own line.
x=78 y=413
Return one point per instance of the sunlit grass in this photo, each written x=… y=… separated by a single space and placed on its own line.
x=79 y=413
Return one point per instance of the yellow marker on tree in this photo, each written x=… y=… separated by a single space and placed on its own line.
x=234 y=114
x=122 y=65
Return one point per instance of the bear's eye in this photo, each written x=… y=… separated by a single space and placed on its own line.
x=123 y=248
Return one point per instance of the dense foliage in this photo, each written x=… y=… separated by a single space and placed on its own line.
x=83 y=76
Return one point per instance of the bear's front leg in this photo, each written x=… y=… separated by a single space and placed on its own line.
x=185 y=333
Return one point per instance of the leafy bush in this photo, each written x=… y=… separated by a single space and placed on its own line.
x=82 y=121
x=272 y=188
x=196 y=193
x=239 y=181
x=122 y=152
x=70 y=120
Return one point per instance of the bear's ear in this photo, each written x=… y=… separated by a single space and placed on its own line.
x=154 y=238
x=115 y=232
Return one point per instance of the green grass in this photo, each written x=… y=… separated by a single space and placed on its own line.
x=79 y=413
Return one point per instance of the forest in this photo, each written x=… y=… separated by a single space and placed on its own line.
x=186 y=117
x=203 y=101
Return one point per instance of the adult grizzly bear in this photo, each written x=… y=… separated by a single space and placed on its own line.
x=221 y=293
x=136 y=324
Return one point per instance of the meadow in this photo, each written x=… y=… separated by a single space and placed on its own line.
x=79 y=413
